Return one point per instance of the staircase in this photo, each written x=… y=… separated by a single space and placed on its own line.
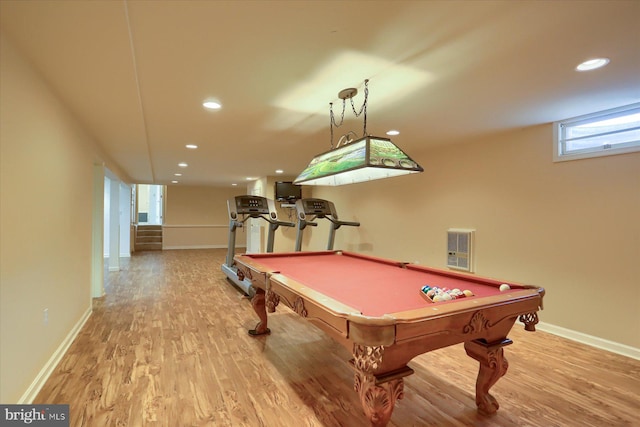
x=148 y=238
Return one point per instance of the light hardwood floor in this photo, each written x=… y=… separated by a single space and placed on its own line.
x=168 y=346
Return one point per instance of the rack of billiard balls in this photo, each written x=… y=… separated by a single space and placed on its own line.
x=437 y=294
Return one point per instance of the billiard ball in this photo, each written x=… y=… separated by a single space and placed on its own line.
x=504 y=287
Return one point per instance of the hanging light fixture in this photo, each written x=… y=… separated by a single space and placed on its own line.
x=356 y=160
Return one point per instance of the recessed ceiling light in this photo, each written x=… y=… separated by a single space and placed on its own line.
x=592 y=64
x=174 y=182
x=177 y=174
x=234 y=185
x=393 y=132
x=211 y=105
x=183 y=165
x=191 y=146
x=279 y=171
x=250 y=178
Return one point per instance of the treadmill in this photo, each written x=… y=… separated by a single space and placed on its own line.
x=241 y=208
x=310 y=209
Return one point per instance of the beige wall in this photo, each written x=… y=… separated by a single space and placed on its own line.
x=570 y=227
x=46 y=182
x=197 y=217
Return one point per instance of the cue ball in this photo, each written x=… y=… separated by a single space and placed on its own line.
x=504 y=287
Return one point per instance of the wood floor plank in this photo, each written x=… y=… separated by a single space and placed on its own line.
x=168 y=346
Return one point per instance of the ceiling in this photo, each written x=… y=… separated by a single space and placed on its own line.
x=135 y=74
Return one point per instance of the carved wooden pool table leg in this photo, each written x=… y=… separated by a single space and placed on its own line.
x=493 y=365
x=378 y=401
x=378 y=393
x=258 y=304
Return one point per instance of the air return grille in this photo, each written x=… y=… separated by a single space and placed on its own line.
x=460 y=249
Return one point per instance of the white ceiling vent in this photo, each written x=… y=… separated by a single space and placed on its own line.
x=460 y=249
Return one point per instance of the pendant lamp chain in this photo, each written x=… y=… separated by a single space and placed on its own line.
x=349 y=94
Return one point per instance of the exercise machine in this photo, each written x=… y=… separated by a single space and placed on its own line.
x=241 y=208
x=308 y=210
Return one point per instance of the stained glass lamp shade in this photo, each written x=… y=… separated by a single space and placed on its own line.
x=365 y=159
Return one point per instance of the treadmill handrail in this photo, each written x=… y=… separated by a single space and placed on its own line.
x=283 y=223
x=269 y=220
x=302 y=223
x=338 y=222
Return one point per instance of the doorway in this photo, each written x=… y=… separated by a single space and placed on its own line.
x=150 y=206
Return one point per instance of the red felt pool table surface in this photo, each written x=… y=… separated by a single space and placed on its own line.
x=372 y=285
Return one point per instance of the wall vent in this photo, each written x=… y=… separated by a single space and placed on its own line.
x=460 y=249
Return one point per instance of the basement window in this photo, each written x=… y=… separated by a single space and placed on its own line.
x=604 y=133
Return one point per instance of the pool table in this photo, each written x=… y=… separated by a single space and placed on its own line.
x=376 y=309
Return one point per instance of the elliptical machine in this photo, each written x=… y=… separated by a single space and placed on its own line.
x=318 y=208
x=249 y=207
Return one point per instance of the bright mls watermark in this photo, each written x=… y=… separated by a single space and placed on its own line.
x=34 y=415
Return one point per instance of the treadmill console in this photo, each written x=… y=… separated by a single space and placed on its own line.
x=253 y=206
x=317 y=207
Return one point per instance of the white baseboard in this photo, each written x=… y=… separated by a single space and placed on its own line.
x=590 y=340
x=164 y=248
x=48 y=368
